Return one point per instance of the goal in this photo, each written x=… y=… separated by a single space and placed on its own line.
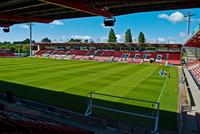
x=133 y=109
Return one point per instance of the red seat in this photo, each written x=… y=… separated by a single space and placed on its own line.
x=11 y=125
x=195 y=70
x=117 y=54
x=174 y=58
x=7 y=55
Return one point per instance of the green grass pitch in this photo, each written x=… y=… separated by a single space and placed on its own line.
x=67 y=83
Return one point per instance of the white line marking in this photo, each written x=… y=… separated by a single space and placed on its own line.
x=163 y=87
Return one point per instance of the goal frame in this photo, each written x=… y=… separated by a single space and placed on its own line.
x=156 y=105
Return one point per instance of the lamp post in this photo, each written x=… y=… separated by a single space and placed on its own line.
x=188 y=17
x=30 y=37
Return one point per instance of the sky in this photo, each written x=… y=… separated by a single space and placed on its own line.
x=163 y=26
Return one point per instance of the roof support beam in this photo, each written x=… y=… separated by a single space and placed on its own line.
x=5 y=25
x=24 y=7
x=79 y=6
x=8 y=17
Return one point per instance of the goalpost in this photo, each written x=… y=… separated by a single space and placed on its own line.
x=154 y=106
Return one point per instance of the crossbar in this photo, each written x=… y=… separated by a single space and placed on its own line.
x=147 y=101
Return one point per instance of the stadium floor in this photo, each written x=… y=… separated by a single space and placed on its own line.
x=64 y=81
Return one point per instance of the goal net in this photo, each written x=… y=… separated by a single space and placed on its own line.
x=130 y=110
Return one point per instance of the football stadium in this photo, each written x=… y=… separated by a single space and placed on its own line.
x=77 y=87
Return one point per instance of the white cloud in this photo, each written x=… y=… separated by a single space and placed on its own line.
x=120 y=37
x=172 y=42
x=82 y=37
x=63 y=37
x=57 y=22
x=182 y=34
x=174 y=17
x=102 y=39
x=134 y=39
x=24 y=26
x=152 y=40
x=161 y=40
x=103 y=26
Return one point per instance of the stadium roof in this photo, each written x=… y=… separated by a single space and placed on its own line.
x=194 y=40
x=112 y=44
x=45 y=11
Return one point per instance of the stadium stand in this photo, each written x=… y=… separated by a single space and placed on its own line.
x=194 y=69
x=117 y=55
x=138 y=57
x=14 y=124
x=173 y=58
x=192 y=54
x=6 y=53
x=161 y=57
x=149 y=56
x=105 y=52
x=81 y=54
x=198 y=119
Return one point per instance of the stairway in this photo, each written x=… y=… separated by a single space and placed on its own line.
x=166 y=60
x=191 y=54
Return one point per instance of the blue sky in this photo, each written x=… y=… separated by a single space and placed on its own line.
x=161 y=26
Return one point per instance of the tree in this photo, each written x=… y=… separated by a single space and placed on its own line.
x=75 y=40
x=128 y=36
x=141 y=38
x=86 y=41
x=6 y=43
x=46 y=40
x=112 y=37
x=25 y=48
x=12 y=49
x=33 y=42
x=26 y=41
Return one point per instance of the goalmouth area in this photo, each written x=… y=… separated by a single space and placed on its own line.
x=66 y=84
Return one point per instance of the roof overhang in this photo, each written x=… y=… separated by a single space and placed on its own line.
x=112 y=44
x=44 y=11
x=194 y=41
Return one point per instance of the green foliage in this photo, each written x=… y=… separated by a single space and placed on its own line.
x=26 y=41
x=141 y=38
x=112 y=37
x=86 y=41
x=16 y=48
x=46 y=40
x=75 y=40
x=25 y=48
x=128 y=36
x=5 y=43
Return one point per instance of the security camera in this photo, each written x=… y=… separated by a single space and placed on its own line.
x=109 y=22
x=6 y=29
